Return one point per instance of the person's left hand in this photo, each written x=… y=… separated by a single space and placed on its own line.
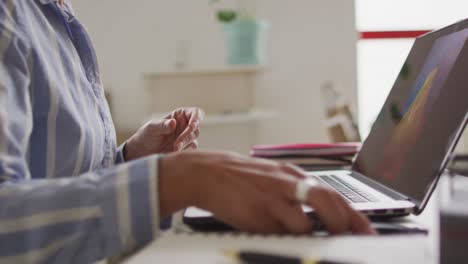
x=175 y=132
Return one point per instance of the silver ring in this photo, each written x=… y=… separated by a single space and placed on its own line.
x=302 y=189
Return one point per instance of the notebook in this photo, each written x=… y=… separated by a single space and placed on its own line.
x=308 y=149
x=323 y=161
x=201 y=248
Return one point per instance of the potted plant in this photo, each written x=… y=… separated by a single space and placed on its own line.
x=245 y=35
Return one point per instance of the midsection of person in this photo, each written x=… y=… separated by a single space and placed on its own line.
x=71 y=120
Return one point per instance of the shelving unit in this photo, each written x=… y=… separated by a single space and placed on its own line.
x=251 y=116
x=225 y=94
x=207 y=72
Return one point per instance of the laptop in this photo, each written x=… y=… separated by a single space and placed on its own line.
x=413 y=137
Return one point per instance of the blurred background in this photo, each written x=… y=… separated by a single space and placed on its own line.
x=156 y=55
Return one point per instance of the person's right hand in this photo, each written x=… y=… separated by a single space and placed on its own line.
x=253 y=195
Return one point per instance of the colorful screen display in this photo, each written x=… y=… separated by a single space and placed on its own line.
x=419 y=121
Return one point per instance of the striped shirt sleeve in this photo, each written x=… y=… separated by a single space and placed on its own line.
x=79 y=219
x=69 y=220
x=119 y=156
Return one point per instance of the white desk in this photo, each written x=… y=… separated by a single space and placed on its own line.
x=200 y=248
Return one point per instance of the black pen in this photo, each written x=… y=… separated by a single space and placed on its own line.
x=254 y=257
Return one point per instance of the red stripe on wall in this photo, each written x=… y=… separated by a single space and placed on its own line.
x=393 y=34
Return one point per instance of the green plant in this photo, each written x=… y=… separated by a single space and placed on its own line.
x=226 y=15
x=245 y=11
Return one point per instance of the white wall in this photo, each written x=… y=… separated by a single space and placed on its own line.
x=310 y=42
x=404 y=14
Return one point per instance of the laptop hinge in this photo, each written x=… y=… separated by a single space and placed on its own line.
x=378 y=186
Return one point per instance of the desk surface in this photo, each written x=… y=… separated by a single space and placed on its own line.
x=201 y=248
x=208 y=249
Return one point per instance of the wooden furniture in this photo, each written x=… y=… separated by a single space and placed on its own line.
x=227 y=95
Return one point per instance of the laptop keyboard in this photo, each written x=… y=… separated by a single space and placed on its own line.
x=352 y=193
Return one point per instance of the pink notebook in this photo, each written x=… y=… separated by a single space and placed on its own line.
x=307 y=149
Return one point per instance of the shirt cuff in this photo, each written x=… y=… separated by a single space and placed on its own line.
x=119 y=156
x=130 y=206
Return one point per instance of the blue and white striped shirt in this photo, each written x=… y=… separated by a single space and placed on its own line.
x=66 y=195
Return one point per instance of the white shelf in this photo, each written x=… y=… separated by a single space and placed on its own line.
x=203 y=72
x=232 y=118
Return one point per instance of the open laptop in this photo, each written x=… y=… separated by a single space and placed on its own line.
x=413 y=137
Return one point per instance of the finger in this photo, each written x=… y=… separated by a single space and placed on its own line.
x=191 y=137
x=360 y=224
x=265 y=166
x=248 y=211
x=259 y=223
x=192 y=146
x=169 y=116
x=192 y=125
x=182 y=121
x=182 y=143
x=193 y=115
x=268 y=178
x=330 y=209
x=163 y=126
x=293 y=170
x=197 y=113
x=278 y=216
x=291 y=216
x=260 y=220
x=284 y=167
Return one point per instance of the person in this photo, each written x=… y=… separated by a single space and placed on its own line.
x=69 y=195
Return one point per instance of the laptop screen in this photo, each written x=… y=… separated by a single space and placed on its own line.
x=422 y=116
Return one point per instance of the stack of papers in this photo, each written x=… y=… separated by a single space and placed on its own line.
x=309 y=153
x=306 y=150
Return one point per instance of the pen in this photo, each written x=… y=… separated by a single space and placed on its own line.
x=253 y=257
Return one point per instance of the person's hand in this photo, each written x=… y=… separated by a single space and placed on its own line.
x=175 y=132
x=251 y=194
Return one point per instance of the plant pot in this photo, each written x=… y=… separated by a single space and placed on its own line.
x=246 y=42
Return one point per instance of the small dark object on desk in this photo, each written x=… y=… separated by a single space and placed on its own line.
x=381 y=225
x=395 y=229
x=254 y=257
